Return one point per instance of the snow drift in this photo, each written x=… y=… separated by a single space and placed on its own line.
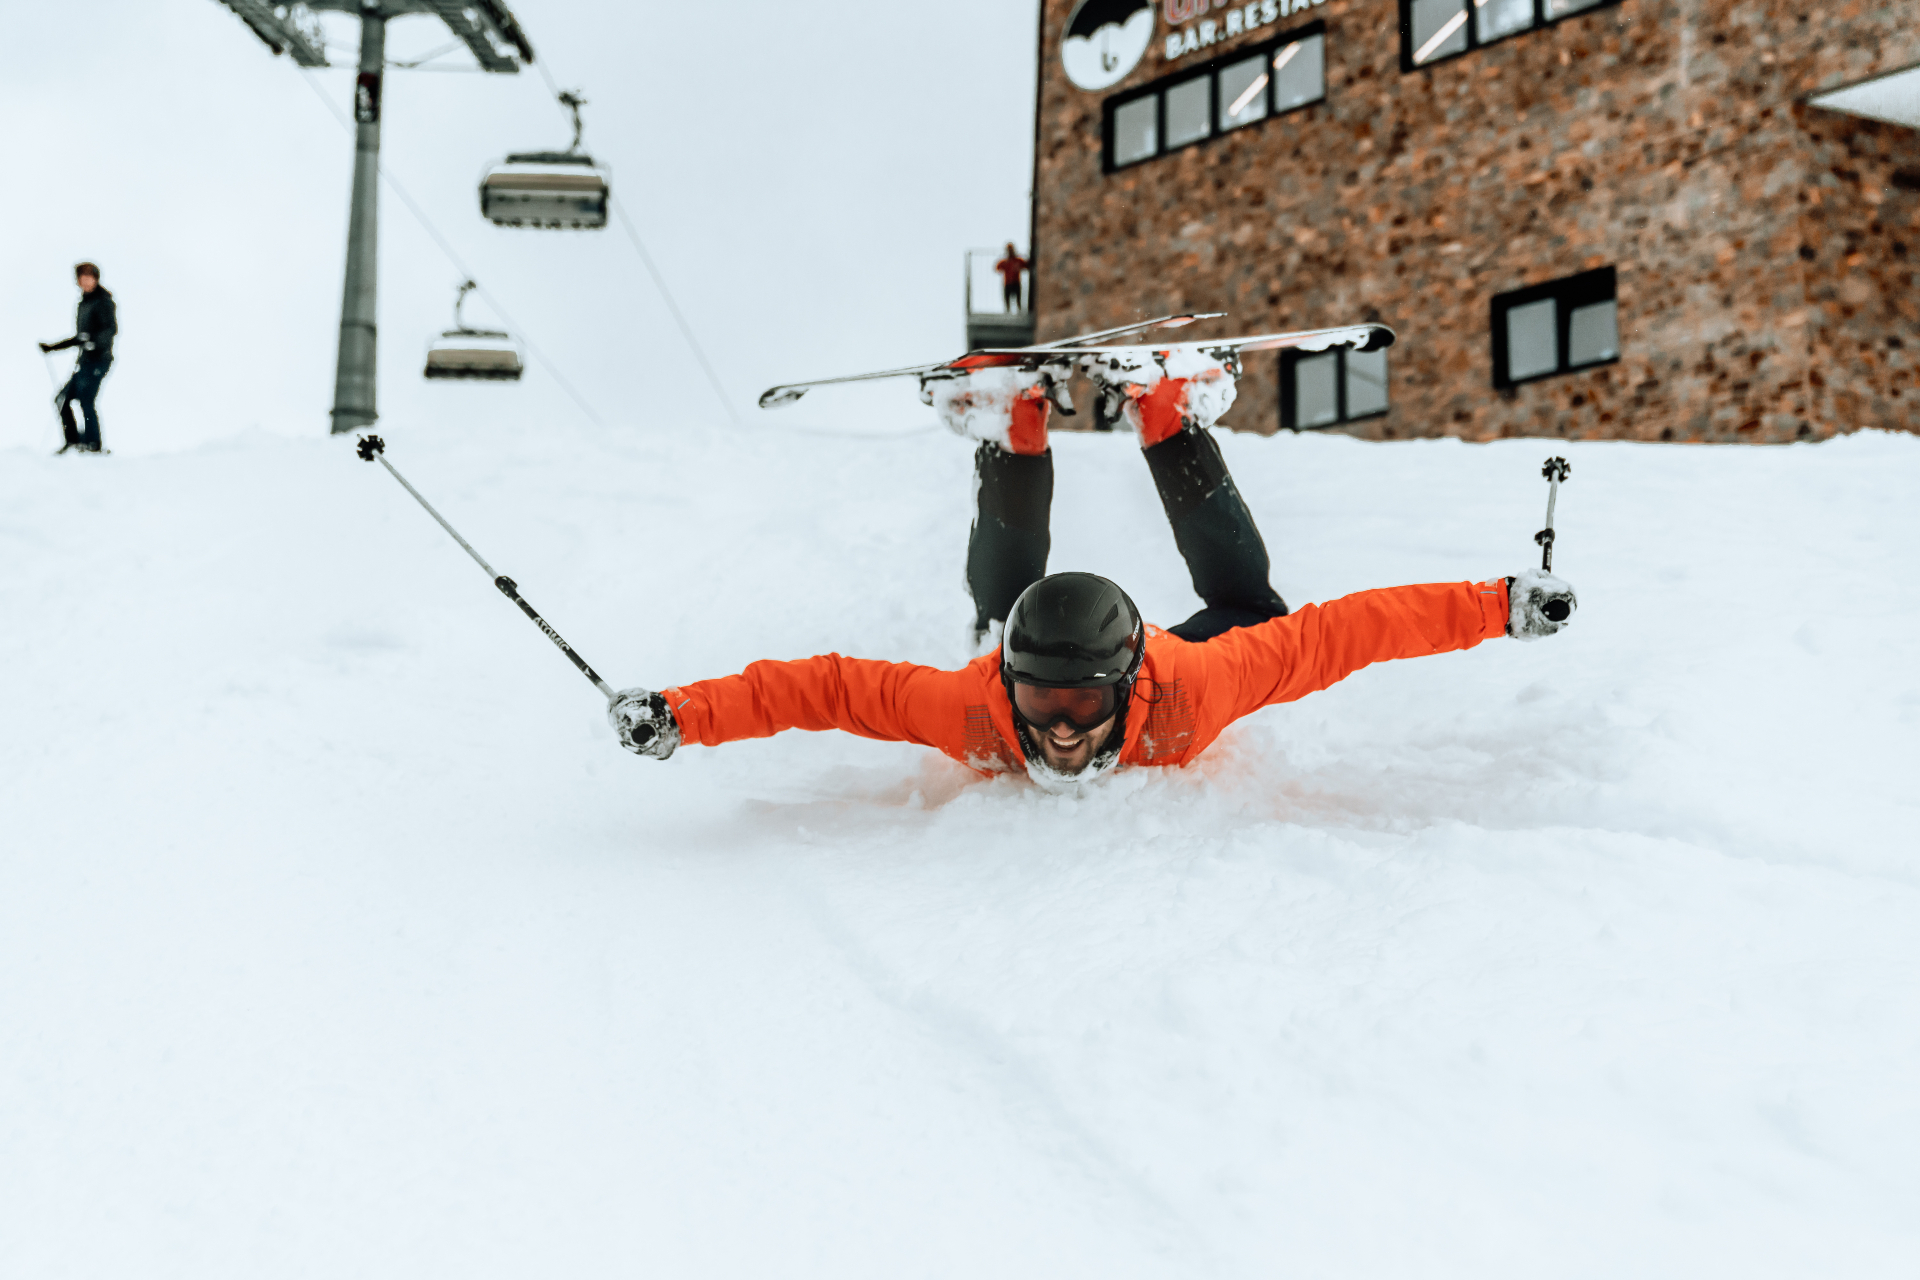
x=338 y=937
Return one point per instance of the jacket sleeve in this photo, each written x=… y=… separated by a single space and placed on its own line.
x=106 y=323
x=1304 y=652
x=892 y=701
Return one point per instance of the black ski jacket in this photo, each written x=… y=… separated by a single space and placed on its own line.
x=93 y=326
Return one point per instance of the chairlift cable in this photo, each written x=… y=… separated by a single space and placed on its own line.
x=433 y=232
x=552 y=88
x=560 y=98
x=686 y=330
x=425 y=58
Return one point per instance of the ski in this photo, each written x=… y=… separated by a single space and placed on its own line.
x=1361 y=337
x=787 y=393
x=1161 y=322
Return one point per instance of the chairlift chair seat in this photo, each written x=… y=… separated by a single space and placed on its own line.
x=551 y=189
x=474 y=354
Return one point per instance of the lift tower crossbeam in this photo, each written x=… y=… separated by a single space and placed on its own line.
x=490 y=32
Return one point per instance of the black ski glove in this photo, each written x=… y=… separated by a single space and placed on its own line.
x=644 y=722
x=1538 y=604
x=45 y=347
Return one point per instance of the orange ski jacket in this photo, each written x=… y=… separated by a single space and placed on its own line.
x=1185 y=695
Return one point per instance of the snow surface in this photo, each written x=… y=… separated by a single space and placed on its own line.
x=338 y=936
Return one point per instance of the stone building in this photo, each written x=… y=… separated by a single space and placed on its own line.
x=1621 y=219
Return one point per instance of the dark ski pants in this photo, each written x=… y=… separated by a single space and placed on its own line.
x=82 y=388
x=1007 y=548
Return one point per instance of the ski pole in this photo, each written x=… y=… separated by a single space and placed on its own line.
x=373 y=449
x=1556 y=470
x=59 y=410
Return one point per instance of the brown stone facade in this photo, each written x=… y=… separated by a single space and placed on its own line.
x=1765 y=249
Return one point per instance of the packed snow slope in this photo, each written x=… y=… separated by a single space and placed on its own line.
x=338 y=937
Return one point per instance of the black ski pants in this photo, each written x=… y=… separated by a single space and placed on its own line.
x=1007 y=548
x=82 y=388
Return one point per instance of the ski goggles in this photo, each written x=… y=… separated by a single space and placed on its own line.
x=1084 y=709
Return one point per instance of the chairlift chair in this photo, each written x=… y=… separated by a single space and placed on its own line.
x=562 y=190
x=473 y=354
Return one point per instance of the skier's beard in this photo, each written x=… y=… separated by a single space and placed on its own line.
x=1083 y=758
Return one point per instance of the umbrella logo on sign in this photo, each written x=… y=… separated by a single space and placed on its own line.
x=1105 y=40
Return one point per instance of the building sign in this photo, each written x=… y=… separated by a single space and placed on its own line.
x=1106 y=39
x=1226 y=19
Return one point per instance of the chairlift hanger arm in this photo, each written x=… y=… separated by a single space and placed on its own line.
x=460 y=301
x=572 y=101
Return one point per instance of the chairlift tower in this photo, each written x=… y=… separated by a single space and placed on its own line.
x=489 y=30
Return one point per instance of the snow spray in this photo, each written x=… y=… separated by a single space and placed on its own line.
x=372 y=448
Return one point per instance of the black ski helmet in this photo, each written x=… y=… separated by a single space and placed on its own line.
x=1072 y=631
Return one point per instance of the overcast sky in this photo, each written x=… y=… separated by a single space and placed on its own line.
x=807 y=177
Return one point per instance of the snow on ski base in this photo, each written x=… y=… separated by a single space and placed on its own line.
x=339 y=938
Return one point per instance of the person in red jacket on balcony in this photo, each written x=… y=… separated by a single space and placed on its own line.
x=1011 y=269
x=1080 y=684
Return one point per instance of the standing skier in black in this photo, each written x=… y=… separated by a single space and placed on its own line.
x=93 y=330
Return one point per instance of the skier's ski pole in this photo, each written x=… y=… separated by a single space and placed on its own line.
x=60 y=411
x=374 y=449
x=1556 y=470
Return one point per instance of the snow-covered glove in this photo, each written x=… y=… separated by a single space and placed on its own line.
x=644 y=722
x=1538 y=604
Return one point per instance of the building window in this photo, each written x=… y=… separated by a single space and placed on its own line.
x=1555 y=328
x=1434 y=30
x=1245 y=88
x=1327 y=388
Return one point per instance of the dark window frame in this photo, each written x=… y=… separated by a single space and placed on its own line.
x=1289 y=411
x=1598 y=285
x=1474 y=42
x=1211 y=70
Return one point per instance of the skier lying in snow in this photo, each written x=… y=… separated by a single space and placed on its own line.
x=1079 y=683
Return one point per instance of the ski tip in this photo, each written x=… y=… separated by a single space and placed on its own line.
x=1378 y=338
x=778 y=397
x=1177 y=322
